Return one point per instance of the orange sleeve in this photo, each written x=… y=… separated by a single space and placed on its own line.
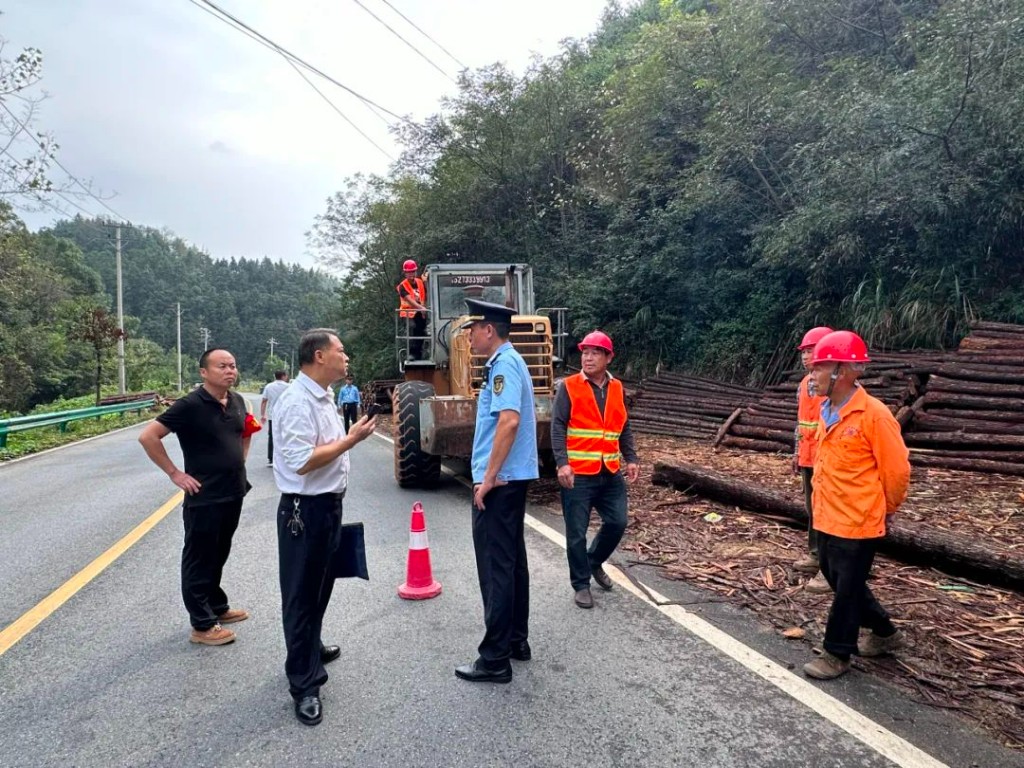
x=892 y=459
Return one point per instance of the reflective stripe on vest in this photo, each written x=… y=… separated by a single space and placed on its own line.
x=418 y=289
x=807 y=413
x=592 y=440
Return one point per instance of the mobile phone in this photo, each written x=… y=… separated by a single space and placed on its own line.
x=372 y=410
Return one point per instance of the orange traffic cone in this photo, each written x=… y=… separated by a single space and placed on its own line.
x=419 y=581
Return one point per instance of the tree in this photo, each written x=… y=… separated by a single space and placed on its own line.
x=99 y=329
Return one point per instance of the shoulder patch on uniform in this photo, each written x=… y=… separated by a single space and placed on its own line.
x=499 y=384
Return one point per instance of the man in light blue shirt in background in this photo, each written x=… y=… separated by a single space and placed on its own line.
x=348 y=402
x=504 y=461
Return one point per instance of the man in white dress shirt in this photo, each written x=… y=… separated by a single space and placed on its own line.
x=311 y=470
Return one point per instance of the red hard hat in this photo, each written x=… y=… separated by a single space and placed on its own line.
x=841 y=347
x=409 y=266
x=597 y=339
x=813 y=336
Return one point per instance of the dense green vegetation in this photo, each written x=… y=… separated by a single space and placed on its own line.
x=707 y=180
x=57 y=304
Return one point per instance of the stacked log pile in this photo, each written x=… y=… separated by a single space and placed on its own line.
x=972 y=415
x=685 y=406
x=896 y=378
x=379 y=392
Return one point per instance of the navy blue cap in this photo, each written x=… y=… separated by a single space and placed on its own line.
x=488 y=312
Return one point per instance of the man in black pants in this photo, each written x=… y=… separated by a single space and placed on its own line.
x=208 y=422
x=504 y=461
x=311 y=468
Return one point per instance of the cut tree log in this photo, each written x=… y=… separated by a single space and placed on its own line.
x=957 y=555
x=964 y=439
x=967 y=465
x=974 y=402
x=748 y=444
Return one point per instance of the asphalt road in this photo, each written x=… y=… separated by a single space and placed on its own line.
x=110 y=678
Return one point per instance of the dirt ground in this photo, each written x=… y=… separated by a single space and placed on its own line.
x=965 y=647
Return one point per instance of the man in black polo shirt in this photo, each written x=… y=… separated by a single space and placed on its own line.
x=208 y=422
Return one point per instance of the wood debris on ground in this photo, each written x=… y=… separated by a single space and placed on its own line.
x=965 y=640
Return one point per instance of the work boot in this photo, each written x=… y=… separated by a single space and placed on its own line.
x=215 y=635
x=807 y=564
x=826 y=667
x=874 y=645
x=604 y=581
x=583 y=598
x=818 y=585
x=233 y=615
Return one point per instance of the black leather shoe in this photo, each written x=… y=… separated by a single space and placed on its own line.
x=521 y=651
x=309 y=711
x=604 y=581
x=477 y=674
x=583 y=598
x=329 y=653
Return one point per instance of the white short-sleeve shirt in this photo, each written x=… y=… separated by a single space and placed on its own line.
x=304 y=418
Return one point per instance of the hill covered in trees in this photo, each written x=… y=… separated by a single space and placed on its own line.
x=707 y=180
x=58 y=289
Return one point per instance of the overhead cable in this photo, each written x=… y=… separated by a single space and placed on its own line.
x=412 y=24
x=421 y=54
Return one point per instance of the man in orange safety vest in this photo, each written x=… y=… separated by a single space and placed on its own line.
x=805 y=450
x=412 y=295
x=590 y=438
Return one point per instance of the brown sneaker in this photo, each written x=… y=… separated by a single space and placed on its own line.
x=873 y=645
x=807 y=564
x=215 y=635
x=584 y=599
x=826 y=667
x=233 y=615
x=818 y=585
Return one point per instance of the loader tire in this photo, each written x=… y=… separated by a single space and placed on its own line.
x=413 y=467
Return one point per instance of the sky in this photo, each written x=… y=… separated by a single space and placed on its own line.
x=189 y=125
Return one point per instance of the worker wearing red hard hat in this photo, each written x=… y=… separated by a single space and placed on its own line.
x=590 y=438
x=412 y=294
x=808 y=406
x=860 y=478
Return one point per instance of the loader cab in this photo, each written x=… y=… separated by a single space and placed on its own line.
x=448 y=286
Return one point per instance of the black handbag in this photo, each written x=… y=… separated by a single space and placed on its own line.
x=349 y=560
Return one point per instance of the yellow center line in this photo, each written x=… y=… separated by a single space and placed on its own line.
x=32 y=618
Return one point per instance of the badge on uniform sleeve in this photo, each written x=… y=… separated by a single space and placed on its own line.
x=499 y=384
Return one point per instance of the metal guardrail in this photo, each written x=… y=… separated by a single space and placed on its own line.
x=61 y=419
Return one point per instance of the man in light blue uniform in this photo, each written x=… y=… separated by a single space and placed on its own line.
x=504 y=462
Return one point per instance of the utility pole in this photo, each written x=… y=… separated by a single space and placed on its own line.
x=177 y=307
x=272 y=341
x=120 y=320
x=206 y=338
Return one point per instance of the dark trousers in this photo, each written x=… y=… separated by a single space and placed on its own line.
x=417 y=327
x=500 y=544
x=270 y=441
x=304 y=558
x=350 y=412
x=807 y=476
x=208 y=532
x=845 y=563
x=606 y=493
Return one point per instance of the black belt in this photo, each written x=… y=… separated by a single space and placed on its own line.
x=337 y=496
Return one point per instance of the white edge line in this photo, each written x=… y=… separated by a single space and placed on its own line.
x=864 y=729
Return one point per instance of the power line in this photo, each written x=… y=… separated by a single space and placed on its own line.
x=422 y=55
x=38 y=194
x=297 y=59
x=336 y=109
x=60 y=165
x=412 y=24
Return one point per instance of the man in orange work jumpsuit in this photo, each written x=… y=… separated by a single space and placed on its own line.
x=860 y=478
x=808 y=406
